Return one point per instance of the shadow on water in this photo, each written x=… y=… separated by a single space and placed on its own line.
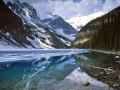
x=103 y=67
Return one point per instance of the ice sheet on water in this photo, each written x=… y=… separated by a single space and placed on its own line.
x=34 y=55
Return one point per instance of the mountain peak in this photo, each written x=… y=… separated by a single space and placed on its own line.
x=79 y=22
x=16 y=2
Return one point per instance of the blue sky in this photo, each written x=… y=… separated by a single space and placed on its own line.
x=72 y=8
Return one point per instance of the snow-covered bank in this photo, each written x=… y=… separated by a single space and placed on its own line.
x=36 y=54
x=108 y=52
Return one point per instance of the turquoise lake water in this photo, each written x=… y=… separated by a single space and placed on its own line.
x=52 y=70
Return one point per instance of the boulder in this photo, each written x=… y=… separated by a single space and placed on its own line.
x=86 y=83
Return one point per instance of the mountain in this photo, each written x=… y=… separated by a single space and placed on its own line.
x=60 y=26
x=33 y=32
x=79 y=22
x=11 y=28
x=103 y=33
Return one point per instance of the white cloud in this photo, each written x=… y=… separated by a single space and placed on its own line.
x=110 y=4
x=68 y=8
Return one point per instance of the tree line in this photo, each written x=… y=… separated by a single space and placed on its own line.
x=107 y=36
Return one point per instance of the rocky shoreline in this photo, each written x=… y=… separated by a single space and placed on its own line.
x=101 y=66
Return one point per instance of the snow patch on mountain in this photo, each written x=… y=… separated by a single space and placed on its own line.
x=6 y=46
x=26 y=16
x=34 y=42
x=79 y=22
x=60 y=32
x=68 y=43
x=43 y=45
x=47 y=15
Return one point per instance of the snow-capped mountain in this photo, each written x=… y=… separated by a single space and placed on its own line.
x=36 y=33
x=60 y=26
x=79 y=22
x=53 y=22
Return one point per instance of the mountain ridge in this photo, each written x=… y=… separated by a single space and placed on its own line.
x=104 y=33
x=37 y=34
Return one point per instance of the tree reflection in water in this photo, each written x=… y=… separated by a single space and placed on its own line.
x=103 y=67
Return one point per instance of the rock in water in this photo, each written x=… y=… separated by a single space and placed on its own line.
x=86 y=83
x=117 y=57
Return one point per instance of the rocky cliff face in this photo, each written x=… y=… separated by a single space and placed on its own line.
x=10 y=22
x=25 y=11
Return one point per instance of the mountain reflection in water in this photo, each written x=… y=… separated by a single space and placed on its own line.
x=33 y=72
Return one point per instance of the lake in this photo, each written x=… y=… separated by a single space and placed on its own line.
x=58 y=70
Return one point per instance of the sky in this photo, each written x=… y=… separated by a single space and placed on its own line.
x=71 y=8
